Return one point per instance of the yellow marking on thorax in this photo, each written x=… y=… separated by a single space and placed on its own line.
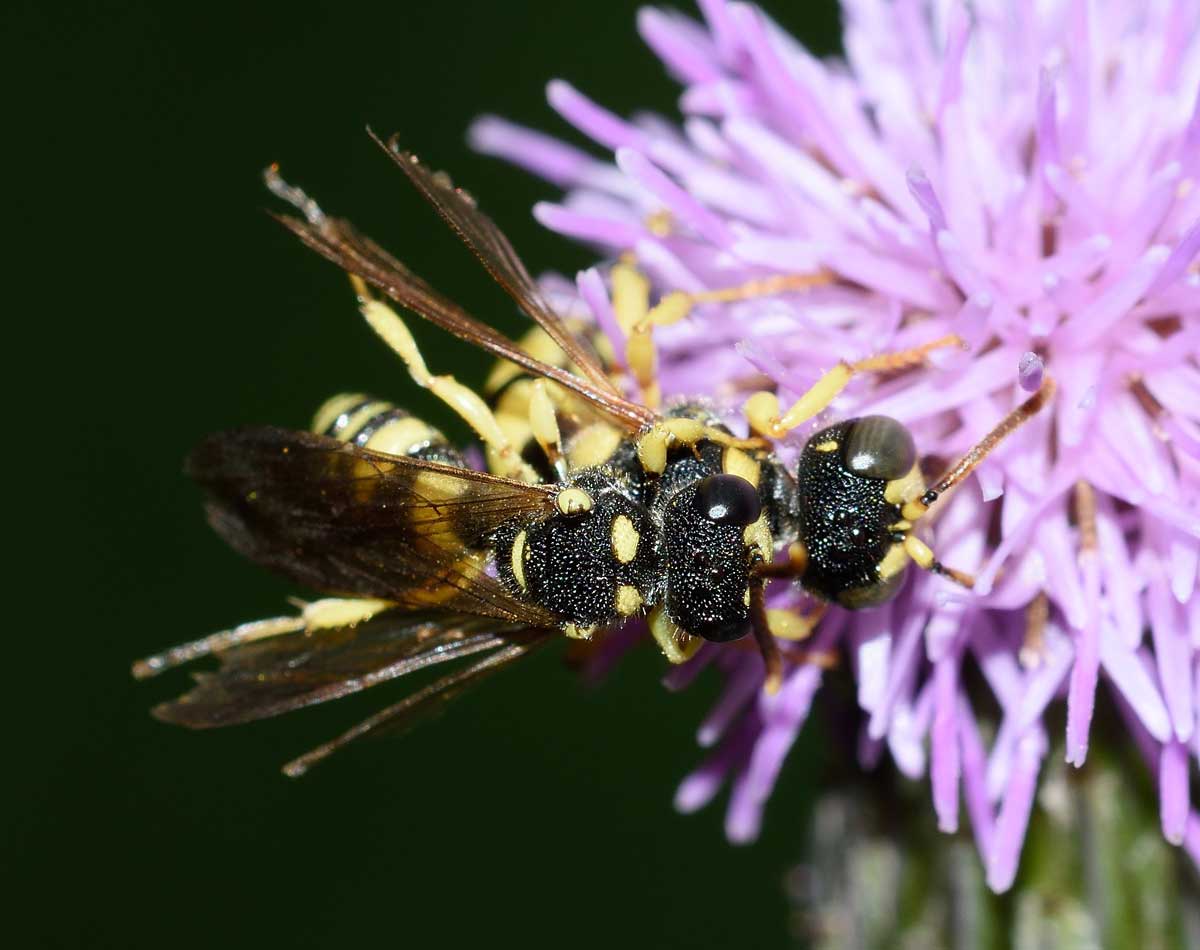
x=577 y=632
x=573 y=501
x=333 y=408
x=593 y=445
x=401 y=436
x=518 y=559
x=900 y=490
x=736 y=462
x=830 y=446
x=629 y=600
x=625 y=539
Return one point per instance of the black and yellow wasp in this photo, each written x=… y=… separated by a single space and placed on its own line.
x=597 y=508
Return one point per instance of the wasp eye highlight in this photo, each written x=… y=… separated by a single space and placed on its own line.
x=728 y=500
x=879 y=447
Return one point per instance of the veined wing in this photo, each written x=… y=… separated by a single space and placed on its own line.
x=346 y=520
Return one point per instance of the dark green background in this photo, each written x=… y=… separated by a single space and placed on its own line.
x=151 y=301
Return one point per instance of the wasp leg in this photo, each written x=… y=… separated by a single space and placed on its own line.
x=762 y=410
x=914 y=509
x=631 y=304
x=793 y=625
x=543 y=421
x=760 y=623
x=465 y=402
x=923 y=557
x=317 y=615
x=676 y=645
x=792 y=569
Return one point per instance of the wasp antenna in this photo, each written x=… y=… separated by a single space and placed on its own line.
x=767 y=646
x=294 y=196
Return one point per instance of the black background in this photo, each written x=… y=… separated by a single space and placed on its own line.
x=151 y=301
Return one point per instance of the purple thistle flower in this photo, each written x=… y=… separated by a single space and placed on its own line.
x=1022 y=175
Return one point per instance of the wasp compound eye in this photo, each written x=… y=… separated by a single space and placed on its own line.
x=728 y=500
x=879 y=447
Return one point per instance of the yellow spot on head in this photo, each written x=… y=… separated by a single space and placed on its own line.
x=573 y=501
x=625 y=539
x=900 y=490
x=830 y=446
x=629 y=600
x=518 y=559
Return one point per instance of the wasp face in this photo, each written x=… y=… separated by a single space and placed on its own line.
x=594 y=560
x=709 y=553
x=852 y=477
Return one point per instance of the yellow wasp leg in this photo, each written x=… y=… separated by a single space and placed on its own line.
x=468 y=404
x=762 y=409
x=543 y=420
x=677 y=646
x=631 y=304
x=315 y=616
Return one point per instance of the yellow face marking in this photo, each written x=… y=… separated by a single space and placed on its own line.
x=576 y=632
x=830 y=446
x=518 y=559
x=629 y=600
x=746 y=597
x=573 y=501
x=625 y=539
x=736 y=462
x=900 y=490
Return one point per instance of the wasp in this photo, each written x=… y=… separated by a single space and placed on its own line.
x=597 y=508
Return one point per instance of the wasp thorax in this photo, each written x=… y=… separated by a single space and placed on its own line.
x=593 y=560
x=847 y=524
x=708 y=557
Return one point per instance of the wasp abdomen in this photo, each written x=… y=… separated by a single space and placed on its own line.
x=382 y=427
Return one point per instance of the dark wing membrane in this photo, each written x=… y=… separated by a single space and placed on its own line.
x=338 y=242
x=264 y=678
x=402 y=716
x=493 y=249
x=345 y=520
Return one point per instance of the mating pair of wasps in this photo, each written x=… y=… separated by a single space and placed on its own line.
x=596 y=508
